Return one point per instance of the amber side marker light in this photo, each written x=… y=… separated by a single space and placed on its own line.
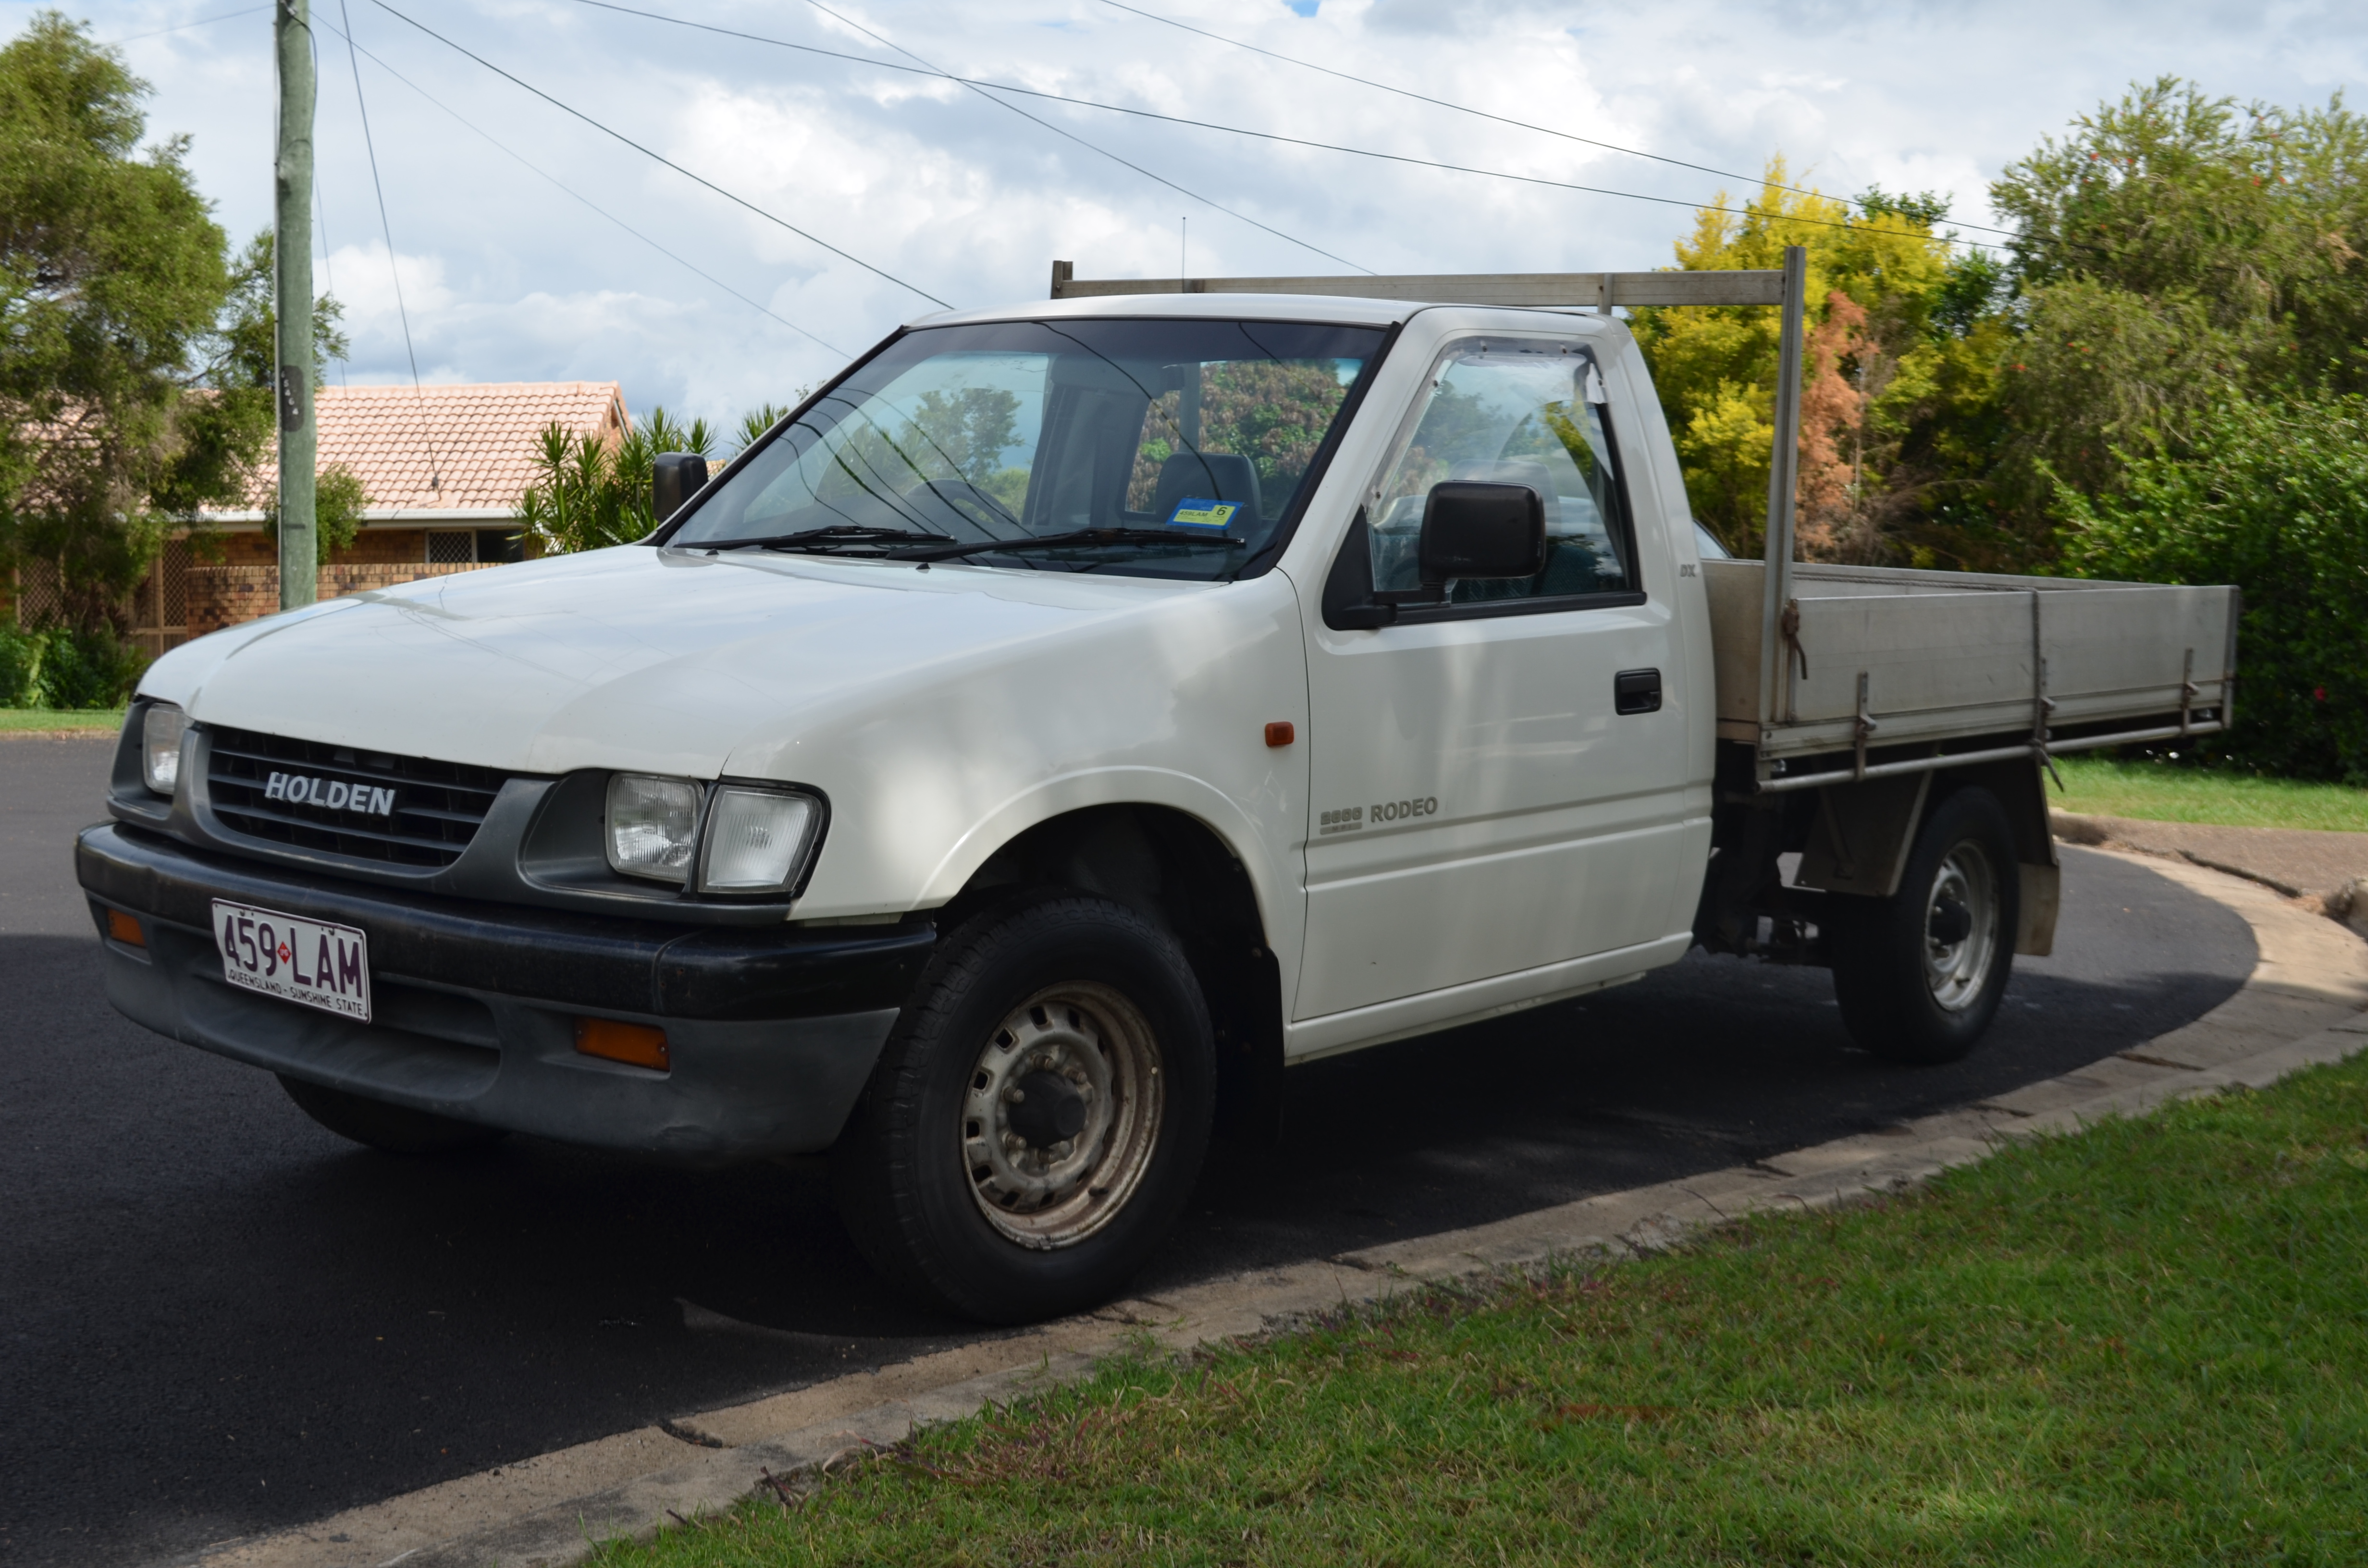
x=1281 y=734
x=635 y=1044
x=125 y=928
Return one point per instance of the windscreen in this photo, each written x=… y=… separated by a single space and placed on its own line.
x=1183 y=442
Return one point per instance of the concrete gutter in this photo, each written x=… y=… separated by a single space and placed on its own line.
x=2302 y=1007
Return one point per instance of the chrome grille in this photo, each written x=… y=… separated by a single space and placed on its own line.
x=435 y=810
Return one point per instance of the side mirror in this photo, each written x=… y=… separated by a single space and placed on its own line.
x=1474 y=530
x=675 y=478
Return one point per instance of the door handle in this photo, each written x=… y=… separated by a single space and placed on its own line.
x=1636 y=691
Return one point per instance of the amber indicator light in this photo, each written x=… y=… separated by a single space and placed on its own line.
x=636 y=1044
x=125 y=929
x=1281 y=734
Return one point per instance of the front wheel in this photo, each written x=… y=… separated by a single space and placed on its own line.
x=1039 y=1115
x=1919 y=974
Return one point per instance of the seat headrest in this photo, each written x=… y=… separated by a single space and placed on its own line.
x=1211 y=476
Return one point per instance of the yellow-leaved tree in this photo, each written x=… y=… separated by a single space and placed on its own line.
x=1899 y=372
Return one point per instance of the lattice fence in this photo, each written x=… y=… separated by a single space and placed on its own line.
x=158 y=608
x=37 y=601
x=160 y=605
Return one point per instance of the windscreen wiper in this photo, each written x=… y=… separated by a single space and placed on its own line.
x=819 y=538
x=1072 y=538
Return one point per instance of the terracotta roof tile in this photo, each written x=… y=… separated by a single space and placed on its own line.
x=484 y=438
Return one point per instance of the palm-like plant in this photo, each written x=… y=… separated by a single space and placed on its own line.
x=591 y=493
x=757 y=421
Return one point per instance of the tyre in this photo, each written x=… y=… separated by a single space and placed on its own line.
x=1919 y=974
x=396 y=1129
x=1039 y=1115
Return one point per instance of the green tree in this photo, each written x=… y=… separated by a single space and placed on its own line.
x=229 y=431
x=113 y=283
x=1904 y=336
x=338 y=500
x=2271 y=494
x=2172 y=250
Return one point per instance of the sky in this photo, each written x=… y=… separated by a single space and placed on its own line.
x=529 y=245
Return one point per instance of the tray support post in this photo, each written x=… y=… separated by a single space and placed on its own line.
x=1775 y=661
x=2042 y=705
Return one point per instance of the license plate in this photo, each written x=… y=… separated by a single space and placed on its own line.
x=308 y=961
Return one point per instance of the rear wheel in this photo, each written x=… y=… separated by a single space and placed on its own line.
x=1919 y=974
x=1039 y=1115
x=396 y=1129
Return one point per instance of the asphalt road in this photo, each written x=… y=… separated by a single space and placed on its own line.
x=219 y=1318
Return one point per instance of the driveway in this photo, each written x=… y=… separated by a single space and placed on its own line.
x=221 y=1319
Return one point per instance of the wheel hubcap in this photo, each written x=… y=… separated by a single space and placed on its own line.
x=1961 y=927
x=1063 y=1115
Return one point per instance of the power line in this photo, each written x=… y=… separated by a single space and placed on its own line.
x=320 y=207
x=1450 y=168
x=662 y=158
x=328 y=273
x=1484 y=114
x=565 y=189
x=982 y=86
x=185 y=26
x=1081 y=141
x=427 y=430
x=925 y=69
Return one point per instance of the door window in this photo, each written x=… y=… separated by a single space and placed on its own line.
x=1515 y=411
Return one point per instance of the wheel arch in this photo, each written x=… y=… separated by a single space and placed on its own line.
x=1858 y=841
x=1178 y=870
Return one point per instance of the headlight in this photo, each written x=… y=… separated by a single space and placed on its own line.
x=653 y=825
x=160 y=746
x=757 y=841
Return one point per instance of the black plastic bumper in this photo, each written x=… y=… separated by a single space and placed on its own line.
x=771 y=1032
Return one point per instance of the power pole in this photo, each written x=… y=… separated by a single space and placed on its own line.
x=292 y=288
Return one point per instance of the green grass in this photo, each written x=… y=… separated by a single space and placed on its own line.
x=2147 y=1344
x=96 y=720
x=2161 y=791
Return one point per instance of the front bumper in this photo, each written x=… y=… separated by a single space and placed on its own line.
x=770 y=1031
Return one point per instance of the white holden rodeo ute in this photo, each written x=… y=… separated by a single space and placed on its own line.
x=1074 y=715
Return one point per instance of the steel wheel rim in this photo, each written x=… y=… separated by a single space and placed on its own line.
x=1054 y=1196
x=1957 y=971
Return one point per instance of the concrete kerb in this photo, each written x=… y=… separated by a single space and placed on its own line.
x=2302 y=1007
x=2327 y=870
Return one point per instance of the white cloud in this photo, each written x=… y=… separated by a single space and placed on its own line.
x=509 y=279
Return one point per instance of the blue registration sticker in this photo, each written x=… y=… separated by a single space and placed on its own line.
x=1196 y=512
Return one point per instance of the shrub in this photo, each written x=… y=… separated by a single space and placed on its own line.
x=58 y=668
x=2271 y=496
x=21 y=656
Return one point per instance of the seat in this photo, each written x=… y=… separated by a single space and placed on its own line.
x=1206 y=476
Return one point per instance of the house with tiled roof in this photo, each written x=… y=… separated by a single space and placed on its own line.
x=442 y=464
x=443 y=468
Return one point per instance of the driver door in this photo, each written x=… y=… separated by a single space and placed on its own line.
x=1493 y=789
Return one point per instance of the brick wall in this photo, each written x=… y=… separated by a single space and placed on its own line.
x=376 y=546
x=371 y=547
x=228 y=595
